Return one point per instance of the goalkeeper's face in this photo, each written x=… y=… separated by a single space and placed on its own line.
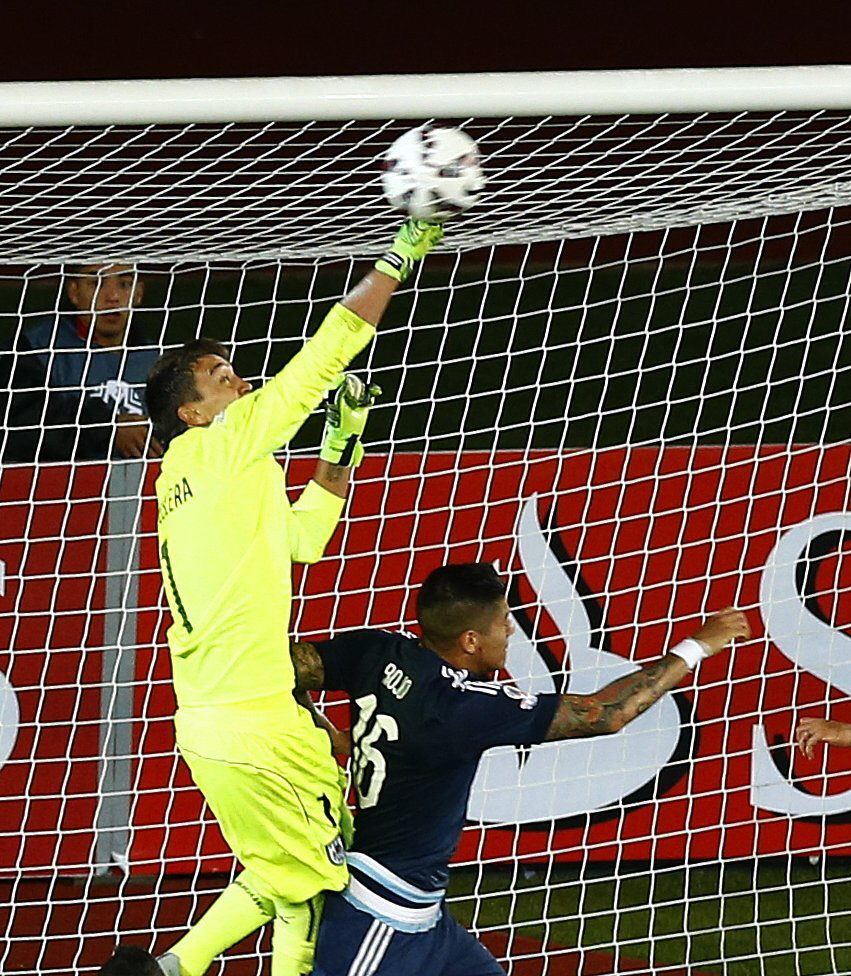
x=217 y=385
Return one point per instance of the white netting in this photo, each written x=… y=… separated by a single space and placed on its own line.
x=638 y=427
x=242 y=192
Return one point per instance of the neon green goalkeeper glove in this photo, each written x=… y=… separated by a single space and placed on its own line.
x=414 y=240
x=345 y=419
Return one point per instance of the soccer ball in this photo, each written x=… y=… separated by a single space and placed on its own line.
x=432 y=173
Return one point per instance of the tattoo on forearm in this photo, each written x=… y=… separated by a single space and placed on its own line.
x=309 y=671
x=614 y=706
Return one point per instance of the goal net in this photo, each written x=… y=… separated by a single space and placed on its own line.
x=623 y=378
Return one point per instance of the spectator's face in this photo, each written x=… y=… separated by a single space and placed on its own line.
x=104 y=295
x=218 y=387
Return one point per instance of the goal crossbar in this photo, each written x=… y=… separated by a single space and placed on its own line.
x=480 y=94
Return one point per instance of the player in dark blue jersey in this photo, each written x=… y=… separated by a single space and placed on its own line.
x=423 y=711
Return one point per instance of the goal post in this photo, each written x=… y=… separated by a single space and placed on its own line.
x=622 y=378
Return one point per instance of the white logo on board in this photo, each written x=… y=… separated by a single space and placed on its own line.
x=9 y=712
x=9 y=716
x=811 y=644
x=563 y=779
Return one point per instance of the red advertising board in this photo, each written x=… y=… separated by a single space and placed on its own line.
x=52 y=534
x=613 y=555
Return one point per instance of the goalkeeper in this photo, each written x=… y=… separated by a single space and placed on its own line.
x=227 y=537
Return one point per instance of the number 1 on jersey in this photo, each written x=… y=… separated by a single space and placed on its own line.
x=169 y=572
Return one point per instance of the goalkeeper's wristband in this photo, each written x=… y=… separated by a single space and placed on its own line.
x=414 y=240
x=347 y=452
x=394 y=266
x=692 y=651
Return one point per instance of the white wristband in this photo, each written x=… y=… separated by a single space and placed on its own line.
x=691 y=651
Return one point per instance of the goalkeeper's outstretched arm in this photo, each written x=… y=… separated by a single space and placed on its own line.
x=299 y=387
x=611 y=708
x=315 y=515
x=369 y=299
x=193 y=385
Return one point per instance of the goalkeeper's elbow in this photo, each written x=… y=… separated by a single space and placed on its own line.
x=311 y=546
x=308 y=555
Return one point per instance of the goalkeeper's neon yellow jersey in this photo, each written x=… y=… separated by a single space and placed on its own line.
x=228 y=534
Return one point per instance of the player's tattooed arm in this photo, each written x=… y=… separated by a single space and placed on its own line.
x=310 y=674
x=309 y=670
x=614 y=706
x=611 y=708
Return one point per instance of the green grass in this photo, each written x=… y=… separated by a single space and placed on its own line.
x=739 y=919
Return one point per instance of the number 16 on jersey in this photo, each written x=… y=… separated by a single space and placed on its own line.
x=370 y=766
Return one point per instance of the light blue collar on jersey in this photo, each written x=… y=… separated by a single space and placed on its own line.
x=377 y=891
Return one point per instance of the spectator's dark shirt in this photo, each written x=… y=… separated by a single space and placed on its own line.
x=65 y=393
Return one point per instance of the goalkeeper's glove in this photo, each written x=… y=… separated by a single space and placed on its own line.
x=414 y=240
x=345 y=419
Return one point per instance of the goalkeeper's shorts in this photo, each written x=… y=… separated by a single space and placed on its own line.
x=276 y=792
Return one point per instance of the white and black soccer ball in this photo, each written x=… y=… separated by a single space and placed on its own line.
x=432 y=173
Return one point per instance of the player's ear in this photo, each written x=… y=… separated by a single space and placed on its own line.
x=190 y=415
x=138 y=292
x=469 y=641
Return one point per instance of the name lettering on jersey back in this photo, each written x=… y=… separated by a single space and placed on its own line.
x=173 y=497
x=396 y=681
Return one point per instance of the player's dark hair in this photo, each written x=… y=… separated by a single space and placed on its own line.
x=458 y=597
x=171 y=383
x=130 y=961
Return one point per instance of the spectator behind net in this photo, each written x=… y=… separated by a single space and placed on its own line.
x=76 y=378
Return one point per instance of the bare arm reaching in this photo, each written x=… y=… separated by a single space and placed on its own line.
x=309 y=675
x=811 y=731
x=611 y=708
x=341 y=740
x=370 y=297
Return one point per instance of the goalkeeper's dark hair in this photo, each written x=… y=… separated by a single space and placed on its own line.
x=130 y=961
x=458 y=597
x=171 y=383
